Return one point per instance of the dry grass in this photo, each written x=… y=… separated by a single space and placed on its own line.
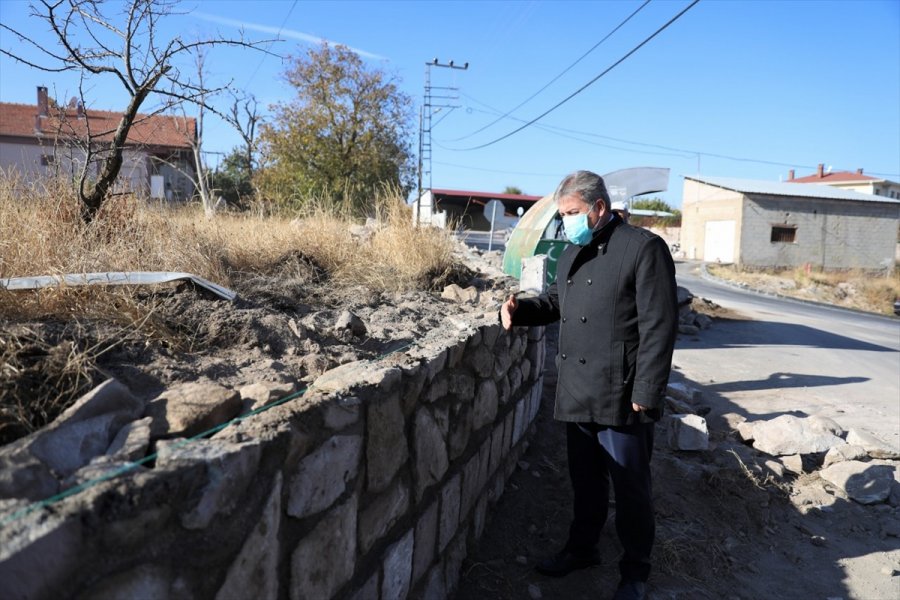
x=41 y=234
x=873 y=292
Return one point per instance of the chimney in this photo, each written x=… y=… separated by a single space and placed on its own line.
x=859 y=171
x=42 y=103
x=791 y=175
x=821 y=171
x=79 y=109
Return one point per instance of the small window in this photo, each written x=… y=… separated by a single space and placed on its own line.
x=47 y=160
x=784 y=234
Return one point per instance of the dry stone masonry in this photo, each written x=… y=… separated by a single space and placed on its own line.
x=371 y=485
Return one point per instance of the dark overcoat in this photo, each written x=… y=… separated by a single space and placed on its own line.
x=616 y=302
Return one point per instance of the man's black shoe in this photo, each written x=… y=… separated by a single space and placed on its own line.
x=631 y=589
x=565 y=562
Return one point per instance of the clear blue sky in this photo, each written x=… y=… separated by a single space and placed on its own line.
x=789 y=83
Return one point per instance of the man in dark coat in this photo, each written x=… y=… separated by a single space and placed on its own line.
x=615 y=299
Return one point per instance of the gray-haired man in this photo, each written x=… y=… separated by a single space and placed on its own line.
x=614 y=296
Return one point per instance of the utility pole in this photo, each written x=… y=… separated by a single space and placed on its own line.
x=425 y=115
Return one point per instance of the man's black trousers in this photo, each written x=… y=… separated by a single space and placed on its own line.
x=597 y=456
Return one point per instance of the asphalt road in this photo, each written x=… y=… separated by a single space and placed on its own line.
x=786 y=356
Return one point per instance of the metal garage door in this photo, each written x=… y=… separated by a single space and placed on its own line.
x=718 y=245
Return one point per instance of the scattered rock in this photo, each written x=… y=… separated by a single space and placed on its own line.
x=863 y=482
x=262 y=393
x=841 y=453
x=684 y=392
x=456 y=293
x=787 y=434
x=875 y=447
x=191 y=408
x=793 y=463
x=350 y=322
x=688 y=329
x=688 y=432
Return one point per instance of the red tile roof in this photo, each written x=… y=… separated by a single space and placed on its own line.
x=833 y=177
x=19 y=120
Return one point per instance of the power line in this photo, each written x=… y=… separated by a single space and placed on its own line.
x=588 y=84
x=552 y=81
x=277 y=35
x=562 y=131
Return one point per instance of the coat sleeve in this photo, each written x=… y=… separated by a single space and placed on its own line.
x=542 y=310
x=657 y=309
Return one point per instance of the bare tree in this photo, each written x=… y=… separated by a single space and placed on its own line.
x=133 y=54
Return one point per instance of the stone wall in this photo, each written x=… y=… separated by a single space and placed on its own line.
x=370 y=486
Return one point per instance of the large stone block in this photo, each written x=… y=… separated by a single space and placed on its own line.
x=875 y=447
x=380 y=515
x=502 y=362
x=398 y=569
x=470 y=480
x=496 y=447
x=430 y=452
x=481 y=360
x=426 y=541
x=687 y=432
x=257 y=395
x=461 y=385
x=256 y=565
x=450 y=498
x=188 y=409
x=229 y=469
x=460 y=429
x=489 y=334
x=324 y=559
x=485 y=407
x=148 y=581
x=322 y=476
x=863 y=482
x=386 y=446
x=39 y=555
x=341 y=412
x=131 y=442
x=787 y=434
x=514 y=376
x=456 y=353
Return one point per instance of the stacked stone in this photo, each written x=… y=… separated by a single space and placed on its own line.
x=371 y=485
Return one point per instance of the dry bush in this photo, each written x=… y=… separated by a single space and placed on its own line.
x=852 y=288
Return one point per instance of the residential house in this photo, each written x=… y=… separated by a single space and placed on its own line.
x=45 y=140
x=857 y=182
x=770 y=224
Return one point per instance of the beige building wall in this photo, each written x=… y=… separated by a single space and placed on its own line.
x=702 y=203
x=830 y=234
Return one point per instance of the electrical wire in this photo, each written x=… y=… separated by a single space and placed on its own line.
x=552 y=81
x=277 y=36
x=585 y=86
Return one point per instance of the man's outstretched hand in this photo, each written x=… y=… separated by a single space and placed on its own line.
x=507 y=310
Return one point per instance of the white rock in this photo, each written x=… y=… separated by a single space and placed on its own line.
x=875 y=447
x=688 y=432
x=842 y=453
x=787 y=434
x=863 y=482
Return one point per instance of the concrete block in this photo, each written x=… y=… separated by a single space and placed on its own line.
x=322 y=476
x=324 y=559
x=386 y=446
x=534 y=274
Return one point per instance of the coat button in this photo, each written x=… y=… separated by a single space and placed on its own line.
x=563 y=319
x=569 y=281
x=563 y=356
x=581 y=360
x=589 y=282
x=584 y=319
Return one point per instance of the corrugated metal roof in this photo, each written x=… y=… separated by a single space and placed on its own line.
x=775 y=188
